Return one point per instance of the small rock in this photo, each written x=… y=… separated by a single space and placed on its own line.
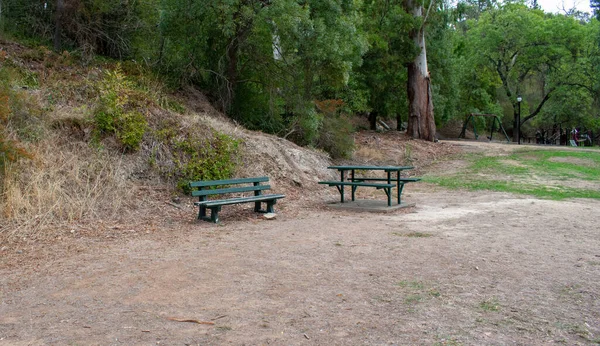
x=269 y=216
x=176 y=199
x=19 y=251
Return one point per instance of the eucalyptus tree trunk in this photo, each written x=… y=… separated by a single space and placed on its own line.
x=421 y=122
x=60 y=7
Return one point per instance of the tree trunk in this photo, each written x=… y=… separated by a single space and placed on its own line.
x=516 y=124
x=421 y=122
x=399 y=125
x=60 y=7
x=373 y=120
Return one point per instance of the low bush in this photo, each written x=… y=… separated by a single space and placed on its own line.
x=117 y=112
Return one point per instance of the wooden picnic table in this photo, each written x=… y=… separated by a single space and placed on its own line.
x=386 y=184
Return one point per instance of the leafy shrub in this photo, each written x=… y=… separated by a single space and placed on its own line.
x=211 y=158
x=335 y=134
x=336 y=137
x=116 y=113
x=10 y=150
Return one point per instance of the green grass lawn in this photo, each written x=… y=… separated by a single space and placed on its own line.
x=554 y=174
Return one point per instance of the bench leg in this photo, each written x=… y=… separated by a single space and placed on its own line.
x=270 y=205
x=214 y=214
x=257 y=207
x=353 y=192
x=202 y=213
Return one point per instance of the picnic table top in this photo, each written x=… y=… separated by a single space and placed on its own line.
x=372 y=168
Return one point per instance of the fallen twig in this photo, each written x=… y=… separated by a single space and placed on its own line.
x=174 y=205
x=189 y=320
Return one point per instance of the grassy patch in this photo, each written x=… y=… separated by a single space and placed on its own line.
x=413 y=234
x=415 y=285
x=576 y=329
x=417 y=291
x=413 y=298
x=491 y=304
x=540 y=173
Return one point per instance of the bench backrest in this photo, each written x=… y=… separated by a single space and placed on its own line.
x=213 y=187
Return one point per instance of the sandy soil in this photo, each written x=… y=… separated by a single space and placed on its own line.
x=459 y=268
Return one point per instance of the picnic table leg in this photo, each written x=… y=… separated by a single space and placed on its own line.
x=398 y=186
x=342 y=186
x=353 y=187
x=389 y=195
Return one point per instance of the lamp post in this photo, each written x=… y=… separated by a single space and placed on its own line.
x=519 y=99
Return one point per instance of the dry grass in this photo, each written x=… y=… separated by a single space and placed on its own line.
x=368 y=154
x=63 y=183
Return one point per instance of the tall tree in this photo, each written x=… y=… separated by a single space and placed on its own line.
x=595 y=5
x=421 y=121
x=60 y=7
x=523 y=46
x=381 y=79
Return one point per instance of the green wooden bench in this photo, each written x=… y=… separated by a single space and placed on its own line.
x=222 y=187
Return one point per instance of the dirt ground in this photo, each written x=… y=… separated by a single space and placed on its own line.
x=460 y=268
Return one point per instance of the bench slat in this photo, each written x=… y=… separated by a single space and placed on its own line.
x=230 y=190
x=218 y=202
x=228 y=181
x=355 y=183
x=406 y=180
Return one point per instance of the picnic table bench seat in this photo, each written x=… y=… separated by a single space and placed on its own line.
x=223 y=189
x=401 y=180
x=387 y=183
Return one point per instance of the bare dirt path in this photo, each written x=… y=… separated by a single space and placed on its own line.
x=460 y=268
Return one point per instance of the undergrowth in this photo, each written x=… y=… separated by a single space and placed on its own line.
x=76 y=140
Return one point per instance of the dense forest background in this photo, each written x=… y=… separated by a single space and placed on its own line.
x=301 y=68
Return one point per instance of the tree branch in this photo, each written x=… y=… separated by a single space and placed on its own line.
x=539 y=107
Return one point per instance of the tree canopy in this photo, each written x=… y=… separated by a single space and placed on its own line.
x=298 y=68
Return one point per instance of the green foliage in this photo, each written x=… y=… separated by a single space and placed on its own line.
x=529 y=53
x=264 y=63
x=11 y=105
x=382 y=76
x=336 y=138
x=116 y=111
x=211 y=158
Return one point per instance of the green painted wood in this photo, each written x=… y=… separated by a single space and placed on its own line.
x=385 y=179
x=230 y=190
x=220 y=202
x=372 y=168
x=207 y=183
x=408 y=180
x=356 y=183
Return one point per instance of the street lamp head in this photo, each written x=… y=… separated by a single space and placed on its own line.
x=519 y=99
